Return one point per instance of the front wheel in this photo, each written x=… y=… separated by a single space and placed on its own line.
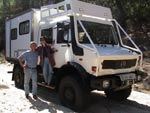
x=19 y=77
x=119 y=95
x=71 y=93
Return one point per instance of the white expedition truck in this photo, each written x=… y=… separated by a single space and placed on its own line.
x=93 y=50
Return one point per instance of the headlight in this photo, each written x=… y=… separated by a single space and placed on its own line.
x=106 y=83
x=139 y=78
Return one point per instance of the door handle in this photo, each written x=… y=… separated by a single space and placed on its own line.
x=63 y=45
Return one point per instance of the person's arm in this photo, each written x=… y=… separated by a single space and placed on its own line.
x=53 y=42
x=21 y=63
x=52 y=50
x=38 y=49
x=21 y=58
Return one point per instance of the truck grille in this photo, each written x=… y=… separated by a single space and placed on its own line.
x=118 y=64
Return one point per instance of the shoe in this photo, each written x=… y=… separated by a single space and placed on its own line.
x=27 y=96
x=35 y=97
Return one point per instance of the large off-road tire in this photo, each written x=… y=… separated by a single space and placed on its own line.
x=19 y=77
x=71 y=93
x=119 y=95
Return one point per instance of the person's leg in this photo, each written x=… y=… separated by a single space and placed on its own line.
x=50 y=72
x=26 y=81
x=34 y=81
x=45 y=66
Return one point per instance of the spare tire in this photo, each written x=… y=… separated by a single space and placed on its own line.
x=19 y=77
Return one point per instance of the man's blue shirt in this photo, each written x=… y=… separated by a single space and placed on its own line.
x=30 y=58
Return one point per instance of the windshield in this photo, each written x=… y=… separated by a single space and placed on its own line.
x=99 y=33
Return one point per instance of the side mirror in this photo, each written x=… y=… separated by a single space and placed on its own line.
x=60 y=25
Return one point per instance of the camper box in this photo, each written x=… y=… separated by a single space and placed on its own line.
x=20 y=30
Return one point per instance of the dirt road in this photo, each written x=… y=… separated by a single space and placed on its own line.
x=12 y=100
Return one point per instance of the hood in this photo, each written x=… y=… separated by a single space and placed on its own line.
x=109 y=50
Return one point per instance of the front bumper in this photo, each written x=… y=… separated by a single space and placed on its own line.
x=118 y=81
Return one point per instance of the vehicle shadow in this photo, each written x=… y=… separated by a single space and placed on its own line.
x=95 y=103
x=3 y=86
x=98 y=103
x=47 y=102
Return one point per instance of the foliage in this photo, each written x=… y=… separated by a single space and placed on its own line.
x=127 y=12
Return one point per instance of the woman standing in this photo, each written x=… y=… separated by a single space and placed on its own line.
x=46 y=59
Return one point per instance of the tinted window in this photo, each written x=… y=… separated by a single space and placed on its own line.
x=14 y=34
x=99 y=33
x=24 y=27
x=48 y=34
x=63 y=34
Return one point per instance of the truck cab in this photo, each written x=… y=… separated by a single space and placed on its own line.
x=91 y=50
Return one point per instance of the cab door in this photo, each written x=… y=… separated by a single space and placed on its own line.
x=62 y=44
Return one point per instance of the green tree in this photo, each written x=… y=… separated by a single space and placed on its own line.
x=130 y=13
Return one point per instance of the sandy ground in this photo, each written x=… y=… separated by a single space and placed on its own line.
x=12 y=100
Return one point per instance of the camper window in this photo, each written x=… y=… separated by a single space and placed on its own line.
x=14 y=34
x=24 y=27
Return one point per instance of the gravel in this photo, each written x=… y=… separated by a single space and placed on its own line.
x=12 y=100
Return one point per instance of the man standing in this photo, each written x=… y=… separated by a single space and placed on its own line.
x=30 y=59
x=46 y=60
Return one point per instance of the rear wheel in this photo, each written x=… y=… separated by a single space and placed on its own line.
x=19 y=77
x=119 y=95
x=71 y=93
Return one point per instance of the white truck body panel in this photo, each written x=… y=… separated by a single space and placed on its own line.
x=75 y=7
x=7 y=29
x=20 y=47
x=92 y=60
x=22 y=42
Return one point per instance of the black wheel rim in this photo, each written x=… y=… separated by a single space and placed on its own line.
x=18 y=78
x=69 y=95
